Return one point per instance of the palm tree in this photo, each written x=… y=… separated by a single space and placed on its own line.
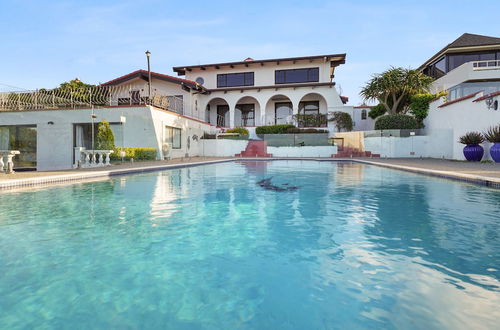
x=393 y=88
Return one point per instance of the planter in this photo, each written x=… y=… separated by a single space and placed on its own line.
x=474 y=152
x=495 y=152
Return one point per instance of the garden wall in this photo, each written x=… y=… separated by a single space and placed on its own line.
x=437 y=144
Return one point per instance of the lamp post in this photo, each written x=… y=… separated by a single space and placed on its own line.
x=148 y=55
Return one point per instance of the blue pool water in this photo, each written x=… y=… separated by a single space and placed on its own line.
x=206 y=247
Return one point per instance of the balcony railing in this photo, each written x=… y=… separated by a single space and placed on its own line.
x=311 y=120
x=486 y=65
x=99 y=96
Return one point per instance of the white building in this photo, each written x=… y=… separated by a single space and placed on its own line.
x=47 y=125
x=469 y=70
x=253 y=93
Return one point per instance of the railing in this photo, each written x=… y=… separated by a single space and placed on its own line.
x=221 y=121
x=91 y=158
x=98 y=96
x=486 y=65
x=311 y=120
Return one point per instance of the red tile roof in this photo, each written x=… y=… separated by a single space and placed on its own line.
x=487 y=96
x=144 y=74
x=459 y=99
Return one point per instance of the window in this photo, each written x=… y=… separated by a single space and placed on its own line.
x=173 y=137
x=247 y=114
x=363 y=114
x=454 y=61
x=309 y=107
x=235 y=79
x=22 y=138
x=296 y=76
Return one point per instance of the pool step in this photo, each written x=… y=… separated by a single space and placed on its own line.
x=255 y=149
x=348 y=152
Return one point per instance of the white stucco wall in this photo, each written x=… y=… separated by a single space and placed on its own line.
x=462 y=117
x=263 y=75
x=143 y=128
x=222 y=148
x=306 y=151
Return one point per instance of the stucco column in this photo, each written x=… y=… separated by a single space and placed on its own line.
x=232 y=109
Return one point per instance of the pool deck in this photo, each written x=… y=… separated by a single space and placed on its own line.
x=480 y=173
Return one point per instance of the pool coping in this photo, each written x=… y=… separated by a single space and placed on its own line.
x=464 y=177
x=81 y=177
x=87 y=176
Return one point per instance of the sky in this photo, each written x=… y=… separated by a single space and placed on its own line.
x=45 y=43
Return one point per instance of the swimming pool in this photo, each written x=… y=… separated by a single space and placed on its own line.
x=257 y=245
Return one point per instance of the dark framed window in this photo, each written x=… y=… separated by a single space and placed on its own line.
x=364 y=114
x=173 y=136
x=296 y=76
x=235 y=79
x=309 y=107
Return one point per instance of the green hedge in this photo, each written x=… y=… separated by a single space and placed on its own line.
x=136 y=153
x=296 y=130
x=397 y=121
x=239 y=130
x=274 y=129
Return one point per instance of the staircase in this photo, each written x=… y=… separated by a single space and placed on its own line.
x=255 y=149
x=348 y=152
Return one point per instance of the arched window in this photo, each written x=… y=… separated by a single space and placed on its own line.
x=363 y=114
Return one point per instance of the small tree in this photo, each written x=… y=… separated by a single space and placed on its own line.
x=105 y=138
x=394 y=87
x=342 y=120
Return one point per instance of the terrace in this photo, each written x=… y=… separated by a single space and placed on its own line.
x=98 y=96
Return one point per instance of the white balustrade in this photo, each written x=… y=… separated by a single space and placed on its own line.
x=91 y=158
x=7 y=166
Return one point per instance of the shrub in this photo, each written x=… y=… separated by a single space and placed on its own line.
x=471 y=138
x=105 y=139
x=377 y=111
x=296 y=130
x=273 y=129
x=136 y=153
x=419 y=104
x=342 y=120
x=239 y=130
x=396 y=121
x=493 y=134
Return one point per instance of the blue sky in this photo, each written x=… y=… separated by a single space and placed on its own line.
x=47 y=42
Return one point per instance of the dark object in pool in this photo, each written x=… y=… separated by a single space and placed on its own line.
x=266 y=184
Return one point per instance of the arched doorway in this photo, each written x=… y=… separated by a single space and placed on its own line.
x=279 y=110
x=217 y=112
x=247 y=112
x=313 y=111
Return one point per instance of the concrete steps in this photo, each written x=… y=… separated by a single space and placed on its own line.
x=255 y=149
x=354 y=153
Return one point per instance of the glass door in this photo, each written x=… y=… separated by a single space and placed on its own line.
x=283 y=113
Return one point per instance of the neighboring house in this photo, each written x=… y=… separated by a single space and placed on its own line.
x=469 y=70
x=253 y=93
x=360 y=118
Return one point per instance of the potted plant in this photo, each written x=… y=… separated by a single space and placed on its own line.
x=493 y=136
x=473 y=152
